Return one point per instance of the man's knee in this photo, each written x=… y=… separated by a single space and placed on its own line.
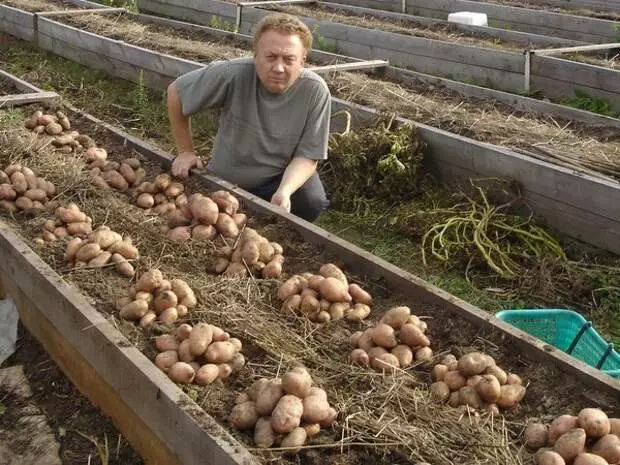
x=309 y=201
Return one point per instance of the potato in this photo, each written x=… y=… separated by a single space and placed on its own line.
x=386 y=362
x=250 y=252
x=226 y=202
x=145 y=200
x=72 y=247
x=166 y=342
x=265 y=250
x=259 y=384
x=165 y=360
x=207 y=374
x=496 y=371
x=295 y=439
x=594 y=421
x=184 y=353
x=337 y=310
x=383 y=335
x=589 y=459
x=220 y=335
x=454 y=379
x=561 y=425
x=312 y=429
x=469 y=396
x=8 y=206
x=297 y=382
x=226 y=226
x=53 y=129
x=18 y=181
x=438 y=372
x=359 y=357
x=608 y=447
x=413 y=336
x=134 y=310
x=150 y=281
x=202 y=232
x=169 y=316
x=286 y=416
x=264 y=437
x=513 y=379
x=200 y=338
x=329 y=270
x=182 y=311
x=115 y=180
x=181 y=372
x=7 y=192
x=36 y=194
x=101 y=259
x=125 y=249
x=238 y=362
x=355 y=337
x=164 y=300
x=243 y=416
x=550 y=457
x=473 y=363
x=488 y=388
x=122 y=265
x=440 y=391
x=184 y=293
x=358 y=312
x=79 y=229
x=147 y=319
x=614 y=424
x=454 y=400
x=183 y=331
x=220 y=352
x=290 y=287
x=396 y=317
x=128 y=173
x=360 y=295
x=334 y=290
x=331 y=417
x=309 y=304
x=60 y=232
x=272 y=270
x=570 y=444
x=315 y=409
x=49 y=237
x=105 y=238
x=87 y=252
x=404 y=355
x=365 y=341
x=510 y=395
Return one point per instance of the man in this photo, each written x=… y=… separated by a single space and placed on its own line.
x=274 y=118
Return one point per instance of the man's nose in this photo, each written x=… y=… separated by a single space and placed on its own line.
x=279 y=66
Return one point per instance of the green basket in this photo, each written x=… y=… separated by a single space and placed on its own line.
x=569 y=332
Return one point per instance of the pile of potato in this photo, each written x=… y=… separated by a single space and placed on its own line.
x=324 y=297
x=21 y=189
x=101 y=247
x=283 y=411
x=112 y=174
x=395 y=342
x=252 y=253
x=199 y=354
x=58 y=126
x=475 y=380
x=203 y=217
x=590 y=438
x=70 y=222
x=163 y=195
x=154 y=298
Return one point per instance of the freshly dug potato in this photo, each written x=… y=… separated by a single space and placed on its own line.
x=105 y=238
x=404 y=355
x=386 y=362
x=312 y=429
x=608 y=447
x=496 y=371
x=384 y=335
x=454 y=379
x=334 y=290
x=360 y=295
x=473 y=363
x=181 y=372
x=550 y=457
x=536 y=435
x=589 y=459
x=134 y=310
x=469 y=396
x=101 y=259
x=184 y=293
x=513 y=379
x=122 y=265
x=226 y=226
x=331 y=417
x=166 y=342
x=561 y=425
x=200 y=338
x=220 y=352
x=87 y=252
x=272 y=270
x=438 y=372
x=396 y=317
x=594 y=421
x=286 y=416
x=365 y=341
x=226 y=202
x=7 y=192
x=264 y=437
x=164 y=300
x=294 y=439
x=510 y=395
x=202 y=232
x=359 y=357
x=614 y=424
x=243 y=416
x=165 y=360
x=315 y=409
x=115 y=180
x=413 y=336
x=440 y=391
x=297 y=382
x=358 y=312
x=150 y=281
x=8 y=206
x=145 y=200
x=329 y=270
x=489 y=389
x=571 y=444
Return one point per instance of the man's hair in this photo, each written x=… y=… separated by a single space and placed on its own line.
x=286 y=24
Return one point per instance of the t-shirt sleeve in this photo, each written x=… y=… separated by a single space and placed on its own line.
x=206 y=87
x=315 y=137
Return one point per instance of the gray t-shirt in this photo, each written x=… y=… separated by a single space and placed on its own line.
x=259 y=132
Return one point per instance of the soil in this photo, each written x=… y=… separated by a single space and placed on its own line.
x=568 y=9
x=8 y=88
x=248 y=309
x=590 y=147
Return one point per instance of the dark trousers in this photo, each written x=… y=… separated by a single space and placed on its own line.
x=307 y=202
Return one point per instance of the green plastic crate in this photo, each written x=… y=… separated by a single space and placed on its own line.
x=569 y=332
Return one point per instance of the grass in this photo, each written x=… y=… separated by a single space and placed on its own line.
x=583 y=101
x=142 y=112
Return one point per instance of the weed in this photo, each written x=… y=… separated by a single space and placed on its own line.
x=130 y=5
x=321 y=42
x=583 y=101
x=217 y=23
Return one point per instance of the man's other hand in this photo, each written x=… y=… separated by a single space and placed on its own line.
x=282 y=199
x=184 y=162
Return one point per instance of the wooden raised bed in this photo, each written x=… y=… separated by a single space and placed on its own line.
x=162 y=422
x=580 y=205
x=20 y=92
x=537 y=21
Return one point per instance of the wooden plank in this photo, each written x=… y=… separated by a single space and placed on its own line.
x=359 y=65
x=143 y=402
x=25 y=99
x=581 y=48
x=19 y=83
x=17 y=22
x=581 y=74
x=406 y=283
x=81 y=12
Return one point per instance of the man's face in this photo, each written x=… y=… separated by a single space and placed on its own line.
x=279 y=59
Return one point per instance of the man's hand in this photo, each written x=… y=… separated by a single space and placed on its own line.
x=282 y=199
x=184 y=162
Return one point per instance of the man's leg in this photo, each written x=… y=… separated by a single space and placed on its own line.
x=307 y=202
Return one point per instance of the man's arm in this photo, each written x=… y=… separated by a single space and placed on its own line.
x=186 y=158
x=296 y=174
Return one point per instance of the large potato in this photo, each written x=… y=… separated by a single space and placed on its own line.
x=226 y=226
x=226 y=202
x=473 y=363
x=510 y=395
x=438 y=372
x=207 y=374
x=150 y=281
x=243 y=416
x=297 y=382
x=614 y=424
x=360 y=295
x=220 y=352
x=384 y=335
x=200 y=338
x=267 y=396
x=571 y=444
x=454 y=379
x=295 y=439
x=365 y=341
x=315 y=409
x=87 y=252
x=536 y=435
x=334 y=290
x=404 y=355
x=469 y=396
x=608 y=447
x=440 y=391
x=589 y=459
x=561 y=425
x=594 y=421
x=166 y=342
x=134 y=310
x=181 y=372
x=329 y=270
x=386 y=362
x=358 y=312
x=550 y=457
x=413 y=336
x=488 y=388
x=203 y=209
x=499 y=373
x=264 y=437
x=359 y=357
x=165 y=360
x=164 y=300
x=287 y=414
x=184 y=293
x=396 y=317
